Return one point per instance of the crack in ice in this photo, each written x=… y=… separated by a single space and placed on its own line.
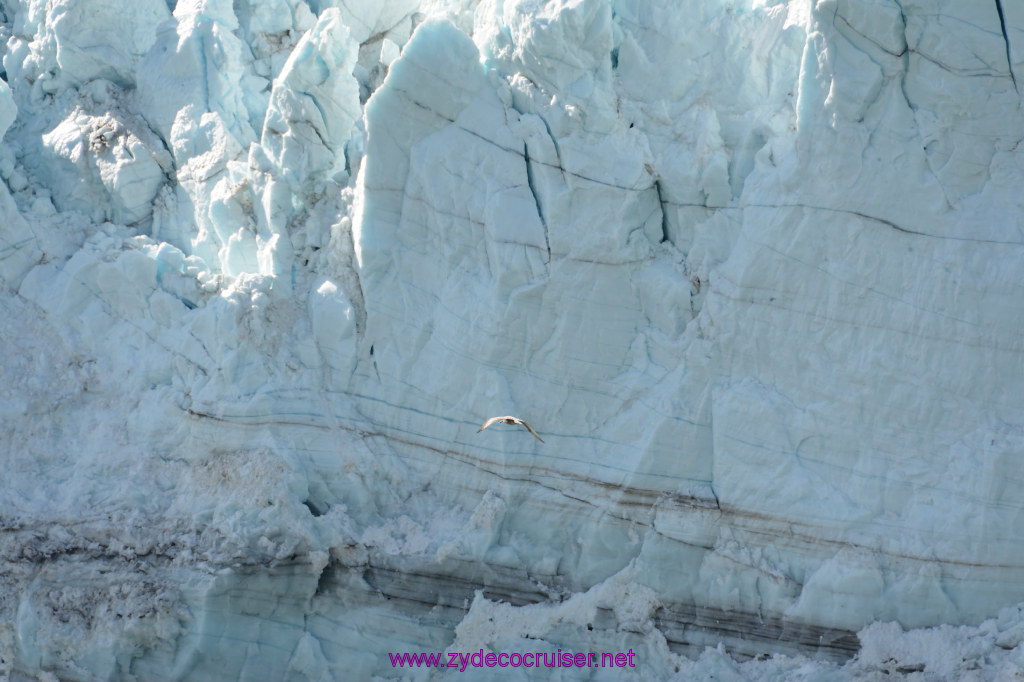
x=1006 y=39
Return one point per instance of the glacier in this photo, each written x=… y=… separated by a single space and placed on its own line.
x=750 y=267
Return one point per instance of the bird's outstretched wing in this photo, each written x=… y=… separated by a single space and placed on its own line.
x=530 y=429
x=488 y=423
x=510 y=420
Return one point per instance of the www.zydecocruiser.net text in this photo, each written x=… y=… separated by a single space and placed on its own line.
x=530 y=659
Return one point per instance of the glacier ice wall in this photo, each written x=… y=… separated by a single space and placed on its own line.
x=750 y=268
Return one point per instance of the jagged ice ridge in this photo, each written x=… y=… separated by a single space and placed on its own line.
x=750 y=268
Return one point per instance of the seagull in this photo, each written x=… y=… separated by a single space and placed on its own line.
x=510 y=420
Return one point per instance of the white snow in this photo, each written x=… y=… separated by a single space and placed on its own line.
x=751 y=268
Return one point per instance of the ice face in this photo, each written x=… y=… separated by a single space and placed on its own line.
x=750 y=270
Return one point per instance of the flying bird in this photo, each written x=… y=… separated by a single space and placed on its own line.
x=512 y=421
